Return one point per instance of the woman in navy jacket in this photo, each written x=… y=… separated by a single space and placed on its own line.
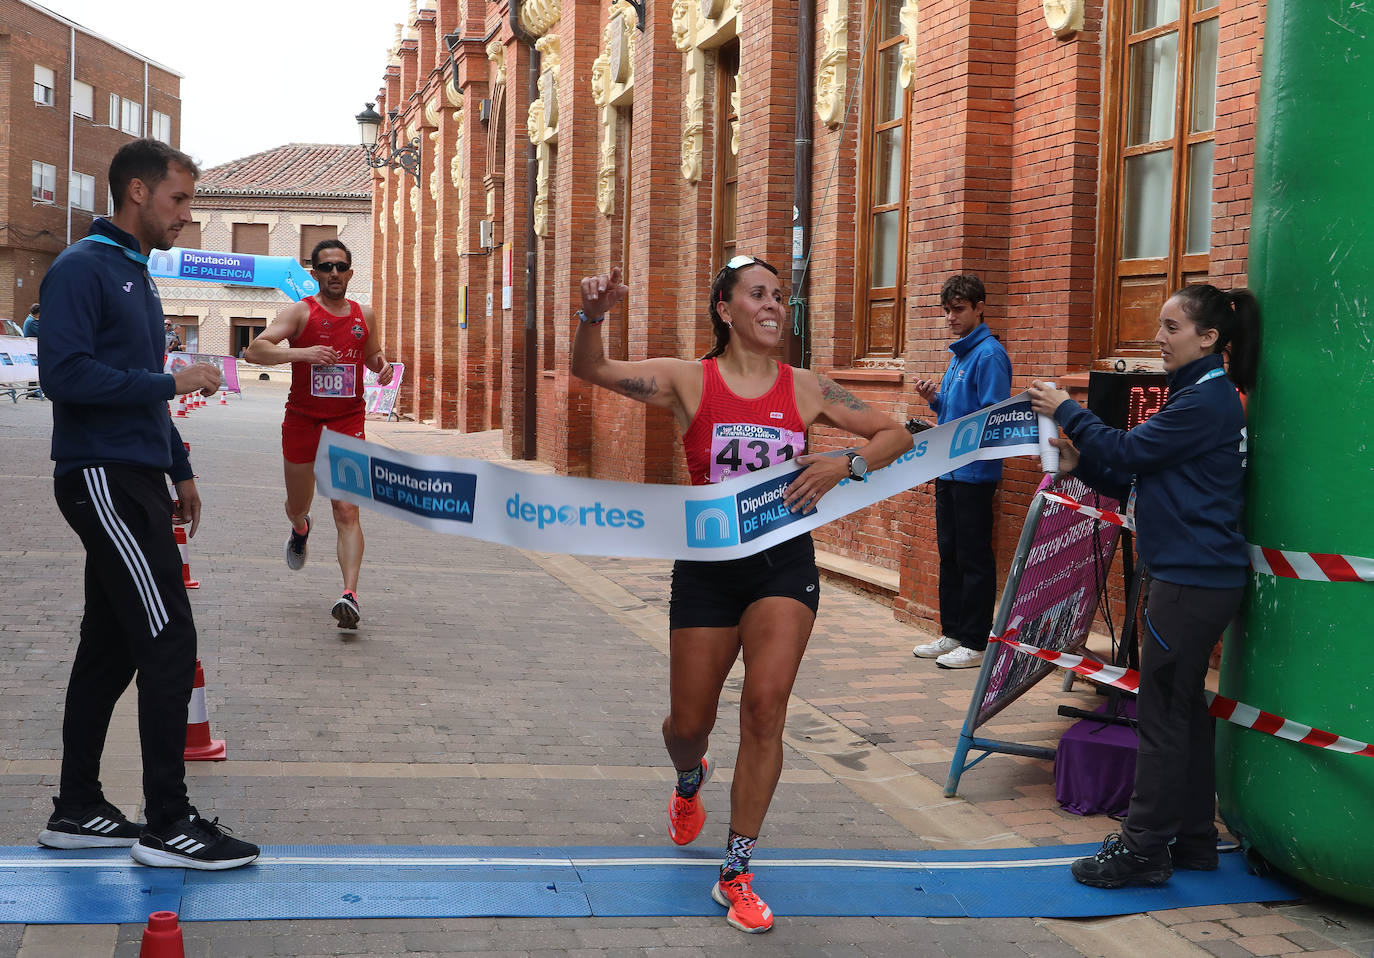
x=1182 y=472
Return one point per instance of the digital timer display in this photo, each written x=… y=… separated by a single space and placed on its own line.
x=1125 y=400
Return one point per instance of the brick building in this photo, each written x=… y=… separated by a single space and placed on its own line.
x=279 y=202
x=70 y=98
x=1084 y=157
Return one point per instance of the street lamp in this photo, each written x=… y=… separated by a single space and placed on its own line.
x=383 y=151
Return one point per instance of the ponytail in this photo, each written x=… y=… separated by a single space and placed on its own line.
x=1235 y=315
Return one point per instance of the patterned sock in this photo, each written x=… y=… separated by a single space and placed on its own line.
x=689 y=782
x=737 y=854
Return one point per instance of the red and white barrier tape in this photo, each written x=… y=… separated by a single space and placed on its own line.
x=1311 y=566
x=1286 y=564
x=1246 y=716
x=1068 y=502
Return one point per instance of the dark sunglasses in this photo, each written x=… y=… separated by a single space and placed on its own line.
x=332 y=267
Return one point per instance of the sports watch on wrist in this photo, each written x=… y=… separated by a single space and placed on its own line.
x=858 y=466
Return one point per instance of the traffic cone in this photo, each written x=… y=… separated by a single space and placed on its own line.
x=199 y=746
x=224 y=397
x=181 y=408
x=162 y=937
x=185 y=548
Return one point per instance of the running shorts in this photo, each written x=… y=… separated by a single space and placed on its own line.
x=714 y=595
x=300 y=434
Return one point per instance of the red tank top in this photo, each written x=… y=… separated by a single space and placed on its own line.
x=731 y=435
x=328 y=391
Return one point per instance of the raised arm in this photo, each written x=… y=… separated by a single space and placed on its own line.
x=657 y=382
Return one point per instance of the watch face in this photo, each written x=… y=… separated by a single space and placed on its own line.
x=858 y=466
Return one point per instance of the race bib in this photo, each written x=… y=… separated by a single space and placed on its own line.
x=740 y=447
x=334 y=382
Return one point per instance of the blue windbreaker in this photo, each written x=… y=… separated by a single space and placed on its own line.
x=979 y=375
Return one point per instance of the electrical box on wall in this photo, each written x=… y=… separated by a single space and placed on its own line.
x=484 y=109
x=486 y=233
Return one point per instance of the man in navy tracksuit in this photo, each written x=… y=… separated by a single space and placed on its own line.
x=979 y=375
x=114 y=445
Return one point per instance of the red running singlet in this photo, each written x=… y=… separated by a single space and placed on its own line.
x=731 y=435
x=325 y=392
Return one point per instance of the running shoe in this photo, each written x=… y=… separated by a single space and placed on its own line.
x=296 y=550
x=99 y=826
x=747 y=911
x=686 y=816
x=192 y=842
x=345 y=611
x=1115 y=865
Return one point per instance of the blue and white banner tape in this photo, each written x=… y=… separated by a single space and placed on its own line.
x=574 y=516
x=239 y=269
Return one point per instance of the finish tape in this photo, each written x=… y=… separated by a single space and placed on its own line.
x=1311 y=566
x=1238 y=713
x=1068 y=502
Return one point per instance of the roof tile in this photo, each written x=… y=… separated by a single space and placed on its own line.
x=301 y=169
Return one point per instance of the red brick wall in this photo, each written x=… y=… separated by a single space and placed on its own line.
x=1238 y=69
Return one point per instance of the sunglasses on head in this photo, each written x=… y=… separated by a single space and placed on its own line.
x=332 y=267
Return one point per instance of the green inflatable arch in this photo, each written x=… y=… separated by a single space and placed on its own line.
x=1307 y=648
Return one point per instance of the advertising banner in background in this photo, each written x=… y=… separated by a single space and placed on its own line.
x=18 y=360
x=381 y=400
x=228 y=367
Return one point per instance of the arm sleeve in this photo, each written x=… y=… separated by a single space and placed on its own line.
x=181 y=459
x=69 y=370
x=1174 y=434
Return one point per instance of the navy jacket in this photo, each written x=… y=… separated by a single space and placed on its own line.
x=979 y=375
x=101 y=361
x=1188 y=461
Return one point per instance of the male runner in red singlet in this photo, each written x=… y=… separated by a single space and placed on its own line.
x=331 y=339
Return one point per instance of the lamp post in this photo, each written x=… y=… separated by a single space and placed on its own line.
x=384 y=151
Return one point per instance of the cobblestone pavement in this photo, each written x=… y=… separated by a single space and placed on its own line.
x=501 y=697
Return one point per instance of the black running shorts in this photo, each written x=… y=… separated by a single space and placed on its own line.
x=714 y=595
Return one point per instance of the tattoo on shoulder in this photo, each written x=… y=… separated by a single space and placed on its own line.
x=833 y=392
x=638 y=388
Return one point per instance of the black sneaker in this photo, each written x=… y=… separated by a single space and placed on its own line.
x=99 y=826
x=1192 y=854
x=345 y=611
x=296 y=551
x=1116 y=865
x=192 y=842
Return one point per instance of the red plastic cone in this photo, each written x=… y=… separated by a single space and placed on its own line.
x=223 y=398
x=181 y=408
x=180 y=533
x=199 y=746
x=162 y=937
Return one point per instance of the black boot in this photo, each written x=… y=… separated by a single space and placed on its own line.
x=1116 y=865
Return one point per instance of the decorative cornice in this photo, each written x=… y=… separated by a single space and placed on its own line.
x=906 y=74
x=832 y=68
x=496 y=53
x=538 y=17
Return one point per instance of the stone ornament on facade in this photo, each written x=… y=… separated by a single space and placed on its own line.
x=612 y=85
x=550 y=51
x=906 y=73
x=433 y=112
x=620 y=42
x=496 y=53
x=1064 y=17
x=455 y=172
x=538 y=17
x=697 y=25
x=832 y=69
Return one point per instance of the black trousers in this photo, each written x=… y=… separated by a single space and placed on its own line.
x=968 y=566
x=1175 y=778
x=137 y=620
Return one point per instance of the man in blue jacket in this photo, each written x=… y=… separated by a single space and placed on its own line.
x=115 y=445
x=979 y=375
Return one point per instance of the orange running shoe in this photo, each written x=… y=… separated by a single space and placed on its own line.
x=686 y=816
x=747 y=911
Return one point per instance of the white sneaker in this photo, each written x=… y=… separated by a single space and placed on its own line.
x=961 y=658
x=935 y=649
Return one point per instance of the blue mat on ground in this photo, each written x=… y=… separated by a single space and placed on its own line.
x=103 y=886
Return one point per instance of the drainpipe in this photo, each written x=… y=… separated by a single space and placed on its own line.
x=799 y=345
x=71 y=130
x=530 y=379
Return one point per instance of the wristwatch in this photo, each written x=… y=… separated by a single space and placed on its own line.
x=858 y=466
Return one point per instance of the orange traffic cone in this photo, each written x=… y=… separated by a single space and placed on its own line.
x=199 y=746
x=181 y=408
x=184 y=547
x=224 y=397
x=162 y=937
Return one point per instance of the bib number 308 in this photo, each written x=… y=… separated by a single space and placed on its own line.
x=333 y=382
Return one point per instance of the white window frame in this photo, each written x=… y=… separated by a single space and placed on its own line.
x=131 y=117
x=44 y=182
x=161 y=128
x=81 y=191
x=114 y=111
x=83 y=99
x=44 y=84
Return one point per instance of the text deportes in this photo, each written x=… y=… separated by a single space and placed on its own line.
x=544 y=514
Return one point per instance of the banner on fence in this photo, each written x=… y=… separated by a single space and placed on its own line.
x=18 y=360
x=381 y=400
x=228 y=367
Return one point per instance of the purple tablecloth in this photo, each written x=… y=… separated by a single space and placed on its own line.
x=1094 y=766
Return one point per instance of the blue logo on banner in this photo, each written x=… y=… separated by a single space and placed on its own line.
x=425 y=492
x=349 y=471
x=761 y=509
x=966 y=437
x=711 y=523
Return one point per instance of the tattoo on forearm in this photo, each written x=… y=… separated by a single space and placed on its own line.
x=638 y=388
x=833 y=392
